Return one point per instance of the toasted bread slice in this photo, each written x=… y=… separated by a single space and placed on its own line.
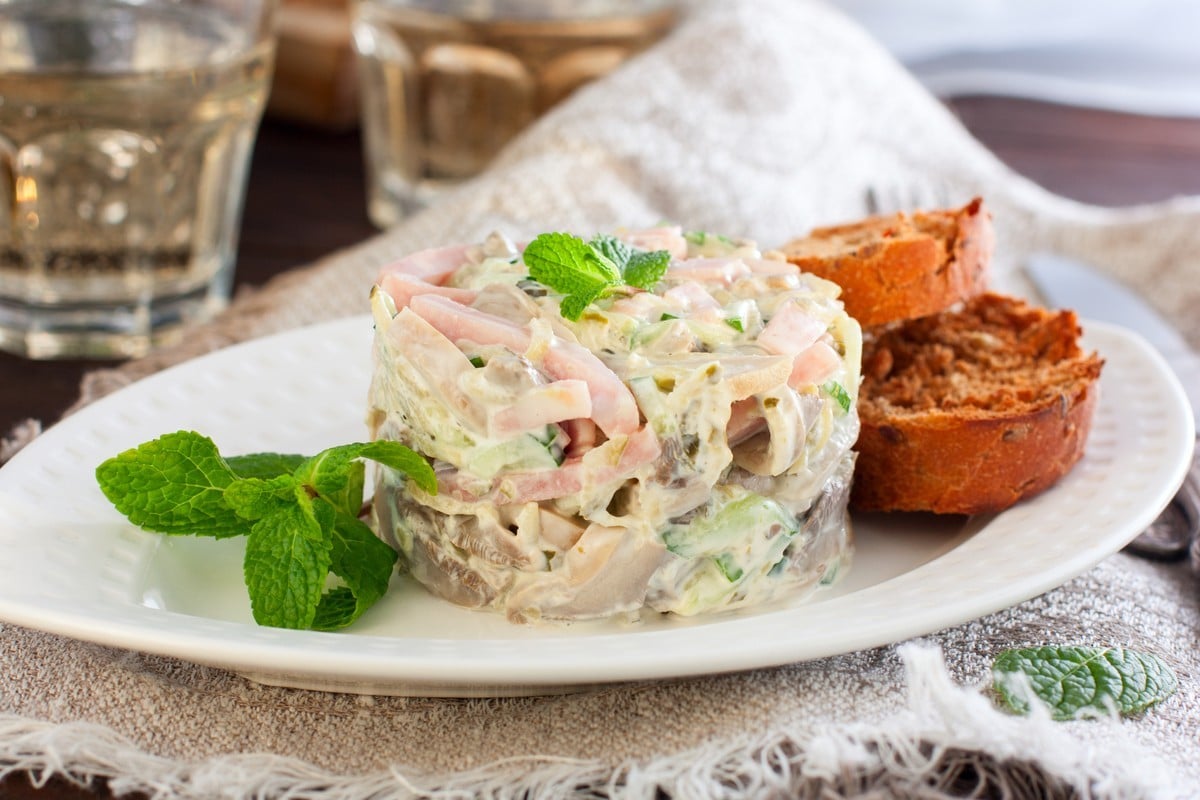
x=969 y=411
x=901 y=266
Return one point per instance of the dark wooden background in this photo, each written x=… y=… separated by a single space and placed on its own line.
x=306 y=200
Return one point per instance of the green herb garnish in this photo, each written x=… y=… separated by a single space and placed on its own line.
x=665 y=316
x=838 y=393
x=585 y=271
x=1083 y=681
x=736 y=324
x=299 y=514
x=700 y=238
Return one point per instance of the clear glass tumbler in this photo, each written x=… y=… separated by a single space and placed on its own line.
x=445 y=84
x=126 y=128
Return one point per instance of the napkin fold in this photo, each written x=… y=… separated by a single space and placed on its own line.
x=760 y=118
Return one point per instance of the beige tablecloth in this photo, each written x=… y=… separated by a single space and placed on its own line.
x=761 y=118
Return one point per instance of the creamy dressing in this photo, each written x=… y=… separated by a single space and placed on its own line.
x=652 y=456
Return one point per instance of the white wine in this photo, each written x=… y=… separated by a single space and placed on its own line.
x=447 y=83
x=125 y=136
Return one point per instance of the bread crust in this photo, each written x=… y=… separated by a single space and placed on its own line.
x=969 y=411
x=901 y=266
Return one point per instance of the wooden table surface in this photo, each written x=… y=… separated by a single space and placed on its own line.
x=306 y=200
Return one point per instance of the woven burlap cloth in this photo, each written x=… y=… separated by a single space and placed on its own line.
x=756 y=117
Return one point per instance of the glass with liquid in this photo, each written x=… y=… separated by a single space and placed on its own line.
x=445 y=84
x=126 y=128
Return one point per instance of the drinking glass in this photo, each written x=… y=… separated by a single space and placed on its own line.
x=126 y=128
x=445 y=84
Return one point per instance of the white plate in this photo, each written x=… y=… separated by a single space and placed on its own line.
x=73 y=566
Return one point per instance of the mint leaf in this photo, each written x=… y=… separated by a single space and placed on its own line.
x=337 y=609
x=264 y=465
x=612 y=248
x=365 y=563
x=569 y=265
x=573 y=305
x=583 y=271
x=401 y=459
x=300 y=515
x=1076 y=681
x=337 y=476
x=333 y=475
x=645 y=269
x=174 y=484
x=287 y=559
x=637 y=267
x=255 y=498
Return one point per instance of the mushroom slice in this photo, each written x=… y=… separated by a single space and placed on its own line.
x=606 y=572
x=772 y=451
x=484 y=536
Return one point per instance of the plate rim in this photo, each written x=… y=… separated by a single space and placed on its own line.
x=378 y=670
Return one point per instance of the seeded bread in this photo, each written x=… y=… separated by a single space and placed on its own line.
x=970 y=410
x=901 y=266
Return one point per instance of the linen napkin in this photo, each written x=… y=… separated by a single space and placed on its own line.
x=756 y=117
x=1135 y=57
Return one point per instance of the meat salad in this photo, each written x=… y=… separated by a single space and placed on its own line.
x=684 y=449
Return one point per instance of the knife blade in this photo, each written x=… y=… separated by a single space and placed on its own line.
x=1067 y=283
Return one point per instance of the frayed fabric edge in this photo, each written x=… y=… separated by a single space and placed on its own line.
x=949 y=742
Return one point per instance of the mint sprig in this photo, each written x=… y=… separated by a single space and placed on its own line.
x=299 y=514
x=1075 y=681
x=584 y=271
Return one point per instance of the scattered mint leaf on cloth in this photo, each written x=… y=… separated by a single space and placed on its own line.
x=299 y=514
x=583 y=271
x=1075 y=681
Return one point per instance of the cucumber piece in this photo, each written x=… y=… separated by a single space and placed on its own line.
x=526 y=451
x=732 y=527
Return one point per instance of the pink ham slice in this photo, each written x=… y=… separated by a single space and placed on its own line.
x=794 y=333
x=664 y=237
x=790 y=331
x=539 y=406
x=613 y=407
x=769 y=267
x=709 y=270
x=745 y=421
x=814 y=365
x=433 y=265
x=402 y=288
x=616 y=459
x=695 y=299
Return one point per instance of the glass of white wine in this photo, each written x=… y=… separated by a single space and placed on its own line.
x=445 y=84
x=126 y=128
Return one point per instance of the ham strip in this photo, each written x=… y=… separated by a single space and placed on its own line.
x=542 y=405
x=433 y=265
x=613 y=407
x=615 y=460
x=402 y=288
